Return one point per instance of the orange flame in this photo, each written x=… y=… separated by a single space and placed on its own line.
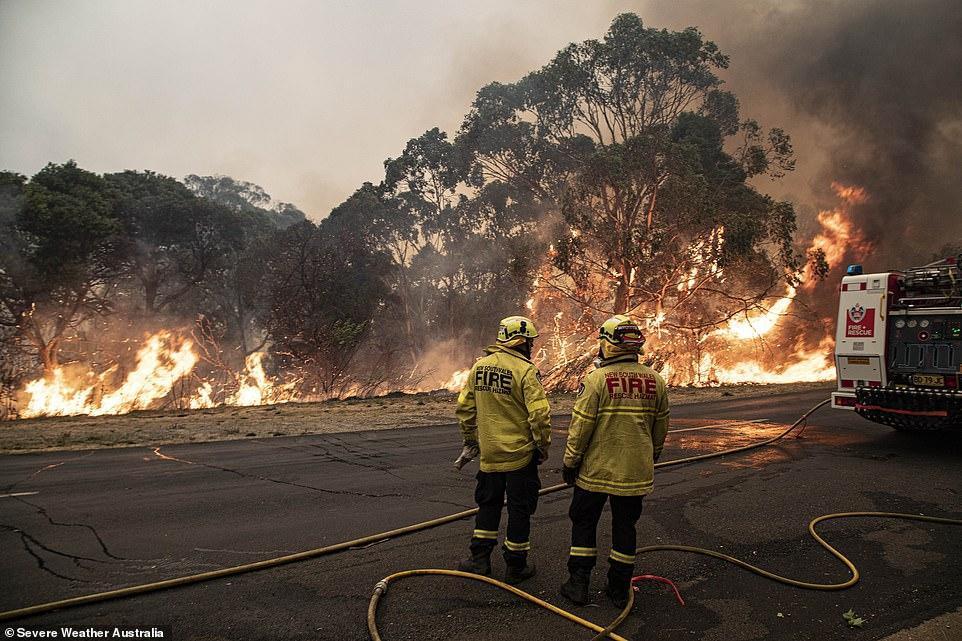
x=160 y=363
x=759 y=325
x=457 y=380
x=839 y=235
x=256 y=389
x=803 y=366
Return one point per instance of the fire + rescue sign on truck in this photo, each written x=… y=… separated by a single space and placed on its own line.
x=898 y=346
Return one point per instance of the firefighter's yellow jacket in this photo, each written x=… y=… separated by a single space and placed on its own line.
x=503 y=407
x=618 y=428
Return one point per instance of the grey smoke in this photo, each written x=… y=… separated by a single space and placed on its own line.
x=307 y=99
x=888 y=79
x=871 y=91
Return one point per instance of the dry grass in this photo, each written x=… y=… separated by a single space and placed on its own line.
x=227 y=423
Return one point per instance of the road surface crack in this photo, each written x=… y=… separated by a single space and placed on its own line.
x=29 y=542
x=268 y=479
x=443 y=502
x=43 y=512
x=337 y=459
x=50 y=466
x=325 y=452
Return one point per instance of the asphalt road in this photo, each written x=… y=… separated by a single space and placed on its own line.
x=72 y=523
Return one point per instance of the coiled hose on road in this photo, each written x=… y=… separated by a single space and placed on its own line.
x=381 y=588
x=417 y=527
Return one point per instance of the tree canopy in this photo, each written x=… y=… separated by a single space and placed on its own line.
x=616 y=178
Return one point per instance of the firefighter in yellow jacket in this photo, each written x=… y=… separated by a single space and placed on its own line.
x=618 y=428
x=503 y=414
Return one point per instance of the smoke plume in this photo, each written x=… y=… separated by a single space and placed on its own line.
x=871 y=93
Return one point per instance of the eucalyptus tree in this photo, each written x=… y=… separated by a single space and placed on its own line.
x=63 y=257
x=639 y=156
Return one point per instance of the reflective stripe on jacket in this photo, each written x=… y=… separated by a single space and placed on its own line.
x=503 y=407
x=618 y=428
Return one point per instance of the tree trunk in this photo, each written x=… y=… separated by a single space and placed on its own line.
x=241 y=316
x=50 y=355
x=651 y=207
x=623 y=290
x=621 y=296
x=150 y=297
x=412 y=339
x=47 y=350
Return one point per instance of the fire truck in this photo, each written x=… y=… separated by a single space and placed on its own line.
x=898 y=346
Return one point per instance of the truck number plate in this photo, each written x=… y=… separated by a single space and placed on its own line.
x=926 y=379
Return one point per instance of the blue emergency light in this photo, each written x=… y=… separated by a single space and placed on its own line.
x=854 y=270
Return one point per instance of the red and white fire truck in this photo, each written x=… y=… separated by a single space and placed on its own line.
x=898 y=346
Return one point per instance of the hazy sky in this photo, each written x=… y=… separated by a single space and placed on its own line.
x=306 y=99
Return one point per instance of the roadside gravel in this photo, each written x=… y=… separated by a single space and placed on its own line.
x=328 y=417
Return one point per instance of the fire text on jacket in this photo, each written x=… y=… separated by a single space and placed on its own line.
x=488 y=378
x=630 y=385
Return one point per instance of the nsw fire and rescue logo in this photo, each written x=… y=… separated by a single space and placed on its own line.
x=860 y=322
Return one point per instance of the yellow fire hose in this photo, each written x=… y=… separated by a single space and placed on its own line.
x=381 y=587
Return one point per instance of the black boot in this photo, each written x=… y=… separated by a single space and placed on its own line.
x=575 y=589
x=517 y=568
x=515 y=574
x=479 y=561
x=619 y=583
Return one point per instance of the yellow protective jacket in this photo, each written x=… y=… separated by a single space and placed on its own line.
x=618 y=428
x=503 y=407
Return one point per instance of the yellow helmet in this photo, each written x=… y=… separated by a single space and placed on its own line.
x=514 y=330
x=619 y=335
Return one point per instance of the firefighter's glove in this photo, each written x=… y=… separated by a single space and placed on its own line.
x=469 y=452
x=569 y=474
x=541 y=455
